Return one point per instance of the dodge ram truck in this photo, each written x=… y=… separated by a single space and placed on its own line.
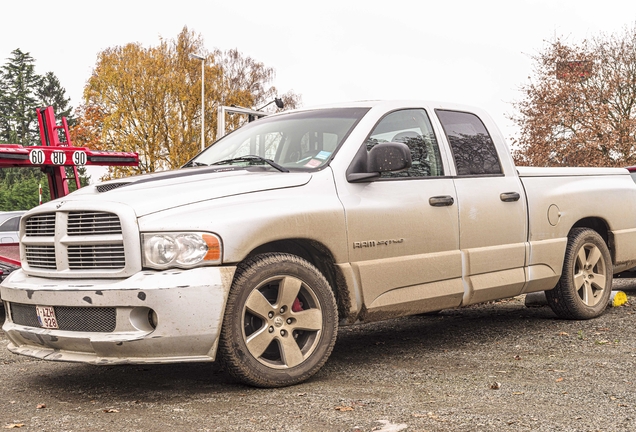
x=261 y=246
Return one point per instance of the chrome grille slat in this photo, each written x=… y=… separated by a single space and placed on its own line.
x=96 y=256
x=42 y=225
x=93 y=223
x=69 y=318
x=41 y=256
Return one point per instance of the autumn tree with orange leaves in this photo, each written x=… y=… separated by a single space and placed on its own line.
x=148 y=100
x=579 y=107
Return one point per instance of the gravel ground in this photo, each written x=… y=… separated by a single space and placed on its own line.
x=496 y=366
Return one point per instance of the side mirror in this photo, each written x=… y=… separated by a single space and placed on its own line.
x=384 y=157
x=388 y=157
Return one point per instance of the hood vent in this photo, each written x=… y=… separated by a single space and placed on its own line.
x=109 y=186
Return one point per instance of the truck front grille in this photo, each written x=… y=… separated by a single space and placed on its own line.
x=86 y=319
x=75 y=240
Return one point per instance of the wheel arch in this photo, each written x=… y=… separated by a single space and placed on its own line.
x=318 y=255
x=601 y=226
x=585 y=285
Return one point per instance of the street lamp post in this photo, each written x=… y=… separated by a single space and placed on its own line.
x=199 y=57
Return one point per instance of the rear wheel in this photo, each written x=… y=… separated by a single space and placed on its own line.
x=280 y=322
x=586 y=281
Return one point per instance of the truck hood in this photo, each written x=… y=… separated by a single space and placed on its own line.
x=155 y=192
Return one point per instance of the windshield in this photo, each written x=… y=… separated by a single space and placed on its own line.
x=295 y=141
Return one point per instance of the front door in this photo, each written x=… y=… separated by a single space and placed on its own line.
x=403 y=228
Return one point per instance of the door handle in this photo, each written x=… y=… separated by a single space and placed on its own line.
x=510 y=196
x=441 y=201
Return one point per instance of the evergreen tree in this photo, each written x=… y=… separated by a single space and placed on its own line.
x=18 y=99
x=51 y=93
x=19 y=190
x=21 y=92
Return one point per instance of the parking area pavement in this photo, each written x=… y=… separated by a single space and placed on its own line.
x=495 y=366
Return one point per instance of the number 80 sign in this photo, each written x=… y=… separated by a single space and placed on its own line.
x=38 y=157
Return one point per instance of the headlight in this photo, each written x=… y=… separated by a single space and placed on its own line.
x=185 y=250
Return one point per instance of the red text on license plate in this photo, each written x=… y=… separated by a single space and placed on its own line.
x=46 y=316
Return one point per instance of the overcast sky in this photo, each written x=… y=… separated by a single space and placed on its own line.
x=472 y=52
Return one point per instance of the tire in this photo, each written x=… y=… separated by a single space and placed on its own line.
x=585 y=286
x=280 y=323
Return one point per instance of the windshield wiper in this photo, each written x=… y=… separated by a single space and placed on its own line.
x=194 y=164
x=252 y=158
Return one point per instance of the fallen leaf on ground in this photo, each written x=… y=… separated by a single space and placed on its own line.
x=40 y=406
x=495 y=386
x=559 y=379
x=110 y=410
x=344 y=408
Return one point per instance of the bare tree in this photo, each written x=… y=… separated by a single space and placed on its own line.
x=579 y=106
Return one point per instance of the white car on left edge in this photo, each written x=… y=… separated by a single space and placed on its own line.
x=10 y=226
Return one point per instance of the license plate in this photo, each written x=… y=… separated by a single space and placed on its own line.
x=46 y=316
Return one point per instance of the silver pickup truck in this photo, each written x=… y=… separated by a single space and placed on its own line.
x=267 y=241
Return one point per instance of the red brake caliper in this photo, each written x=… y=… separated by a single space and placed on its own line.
x=297 y=306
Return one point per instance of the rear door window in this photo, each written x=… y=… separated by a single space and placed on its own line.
x=473 y=149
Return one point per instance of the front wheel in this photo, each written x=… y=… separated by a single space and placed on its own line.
x=280 y=321
x=585 y=286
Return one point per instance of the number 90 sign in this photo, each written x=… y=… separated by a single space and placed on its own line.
x=37 y=157
x=79 y=158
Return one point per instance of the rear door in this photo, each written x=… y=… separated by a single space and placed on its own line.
x=492 y=211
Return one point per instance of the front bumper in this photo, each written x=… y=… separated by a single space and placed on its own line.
x=189 y=306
